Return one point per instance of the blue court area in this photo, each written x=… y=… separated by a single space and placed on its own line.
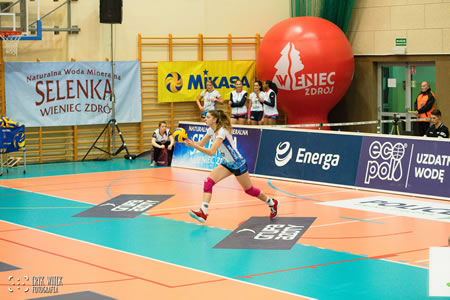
x=80 y=167
x=303 y=270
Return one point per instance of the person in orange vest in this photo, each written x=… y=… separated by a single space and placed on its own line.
x=423 y=107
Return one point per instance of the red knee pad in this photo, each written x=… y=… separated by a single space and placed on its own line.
x=253 y=191
x=208 y=185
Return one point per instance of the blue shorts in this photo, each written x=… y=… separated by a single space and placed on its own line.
x=237 y=172
x=241 y=116
x=271 y=117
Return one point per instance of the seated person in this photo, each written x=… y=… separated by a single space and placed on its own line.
x=162 y=138
x=437 y=128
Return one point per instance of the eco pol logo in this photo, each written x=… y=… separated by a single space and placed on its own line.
x=290 y=63
x=386 y=161
x=284 y=154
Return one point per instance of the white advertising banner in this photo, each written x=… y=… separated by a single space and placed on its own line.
x=72 y=93
x=439 y=276
x=436 y=211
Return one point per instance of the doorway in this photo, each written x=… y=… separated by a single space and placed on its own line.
x=398 y=87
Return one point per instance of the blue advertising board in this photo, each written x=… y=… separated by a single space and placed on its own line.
x=322 y=157
x=405 y=165
x=246 y=139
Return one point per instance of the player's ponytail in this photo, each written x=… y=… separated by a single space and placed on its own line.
x=222 y=120
x=272 y=86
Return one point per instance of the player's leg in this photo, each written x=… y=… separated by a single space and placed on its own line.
x=258 y=118
x=246 y=183
x=156 y=153
x=170 y=153
x=233 y=119
x=242 y=120
x=272 y=121
x=219 y=173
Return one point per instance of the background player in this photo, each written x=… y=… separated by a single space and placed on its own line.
x=256 y=104
x=162 y=138
x=238 y=99
x=270 y=102
x=210 y=98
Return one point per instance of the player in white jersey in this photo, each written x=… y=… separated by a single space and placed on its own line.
x=233 y=163
x=210 y=97
x=256 y=104
x=238 y=98
x=270 y=102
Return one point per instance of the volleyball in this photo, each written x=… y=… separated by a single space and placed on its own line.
x=179 y=135
x=174 y=83
x=19 y=140
x=8 y=123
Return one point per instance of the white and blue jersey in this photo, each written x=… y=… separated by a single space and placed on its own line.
x=207 y=96
x=237 y=102
x=270 y=104
x=256 y=105
x=232 y=159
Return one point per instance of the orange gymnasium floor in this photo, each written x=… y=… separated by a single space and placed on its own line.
x=45 y=251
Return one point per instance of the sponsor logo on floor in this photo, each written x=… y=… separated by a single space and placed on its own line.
x=397 y=206
x=264 y=233
x=124 y=206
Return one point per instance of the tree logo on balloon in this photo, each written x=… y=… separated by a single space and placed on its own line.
x=288 y=64
x=311 y=61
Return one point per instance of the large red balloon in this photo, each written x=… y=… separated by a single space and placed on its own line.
x=311 y=62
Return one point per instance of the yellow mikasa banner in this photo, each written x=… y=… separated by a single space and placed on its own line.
x=184 y=81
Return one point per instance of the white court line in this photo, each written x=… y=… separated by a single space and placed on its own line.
x=331 y=192
x=418 y=261
x=194 y=223
x=164 y=262
x=196 y=205
x=339 y=223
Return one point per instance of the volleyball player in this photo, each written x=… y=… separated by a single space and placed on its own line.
x=238 y=99
x=270 y=102
x=162 y=139
x=210 y=97
x=233 y=164
x=256 y=104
